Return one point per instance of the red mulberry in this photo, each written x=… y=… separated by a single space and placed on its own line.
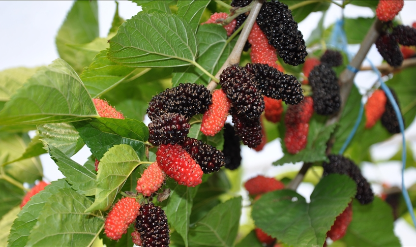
x=387 y=9
x=375 y=108
x=214 y=119
x=273 y=109
x=120 y=217
x=151 y=180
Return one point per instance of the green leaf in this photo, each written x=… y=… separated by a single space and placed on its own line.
x=91 y=49
x=115 y=167
x=156 y=6
x=63 y=222
x=371 y=225
x=357 y=28
x=213 y=52
x=6 y=224
x=79 y=27
x=365 y=3
x=81 y=179
x=302 y=12
x=33 y=149
x=192 y=10
x=12 y=147
x=135 y=43
x=285 y=215
x=179 y=208
x=219 y=227
x=10 y=197
x=117 y=21
x=62 y=136
x=28 y=216
x=13 y=79
x=347 y=121
x=53 y=94
x=250 y=240
x=410 y=159
x=103 y=133
x=403 y=84
x=103 y=75
x=315 y=149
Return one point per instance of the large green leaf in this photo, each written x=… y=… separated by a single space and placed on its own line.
x=62 y=136
x=302 y=12
x=103 y=133
x=355 y=29
x=12 y=146
x=403 y=84
x=179 y=206
x=213 y=52
x=53 y=94
x=115 y=167
x=371 y=225
x=91 y=49
x=28 y=216
x=6 y=224
x=154 y=40
x=103 y=75
x=10 y=196
x=285 y=215
x=219 y=227
x=192 y=10
x=13 y=79
x=79 y=27
x=315 y=148
x=81 y=179
x=117 y=21
x=63 y=221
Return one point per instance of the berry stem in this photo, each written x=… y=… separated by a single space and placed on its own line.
x=293 y=185
x=205 y=71
x=11 y=180
x=238 y=11
x=386 y=68
x=235 y=55
x=221 y=3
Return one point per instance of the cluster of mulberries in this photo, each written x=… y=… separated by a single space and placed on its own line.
x=332 y=58
x=326 y=91
x=209 y=158
x=276 y=21
x=389 y=117
x=297 y=125
x=120 y=217
x=375 y=107
x=341 y=165
x=170 y=128
x=187 y=99
x=232 y=149
x=152 y=224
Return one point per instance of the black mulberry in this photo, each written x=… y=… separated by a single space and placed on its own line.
x=241 y=88
x=170 y=128
x=389 y=117
x=248 y=130
x=326 y=95
x=405 y=35
x=208 y=157
x=276 y=21
x=186 y=99
x=275 y=84
x=152 y=225
x=232 y=148
x=332 y=58
x=389 y=49
x=341 y=165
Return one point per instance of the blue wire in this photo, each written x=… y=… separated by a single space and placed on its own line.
x=401 y=125
x=354 y=129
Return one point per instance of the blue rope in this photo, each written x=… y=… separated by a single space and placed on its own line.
x=354 y=129
x=401 y=125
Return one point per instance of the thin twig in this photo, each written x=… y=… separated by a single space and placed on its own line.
x=386 y=69
x=235 y=55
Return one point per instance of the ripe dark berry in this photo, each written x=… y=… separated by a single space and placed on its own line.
x=232 y=148
x=248 y=130
x=170 y=128
x=240 y=3
x=332 y=58
x=263 y=137
x=186 y=99
x=389 y=49
x=208 y=157
x=326 y=94
x=241 y=88
x=341 y=165
x=275 y=84
x=389 y=117
x=152 y=224
x=405 y=35
x=276 y=21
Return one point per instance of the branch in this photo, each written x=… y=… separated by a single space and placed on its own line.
x=235 y=55
x=387 y=69
x=346 y=80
